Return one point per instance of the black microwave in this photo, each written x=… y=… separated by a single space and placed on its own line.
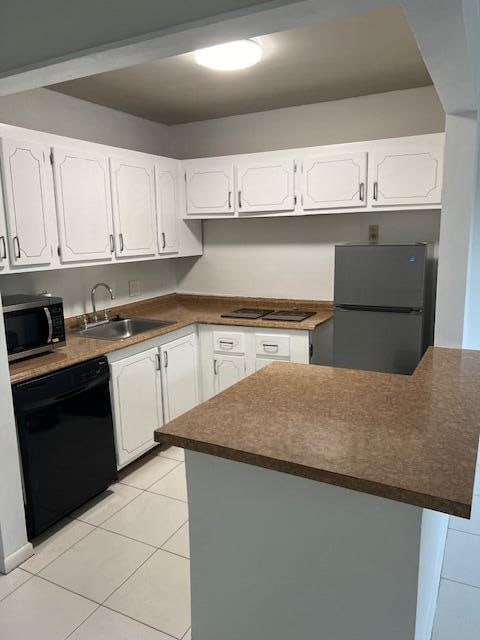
x=33 y=324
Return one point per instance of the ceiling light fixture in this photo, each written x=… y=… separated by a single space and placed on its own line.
x=230 y=56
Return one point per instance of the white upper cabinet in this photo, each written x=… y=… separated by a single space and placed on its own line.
x=3 y=238
x=266 y=186
x=28 y=201
x=180 y=377
x=166 y=191
x=335 y=180
x=209 y=187
x=134 y=214
x=406 y=174
x=84 y=210
x=137 y=403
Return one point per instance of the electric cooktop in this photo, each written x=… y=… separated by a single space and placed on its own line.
x=289 y=315
x=247 y=313
x=285 y=315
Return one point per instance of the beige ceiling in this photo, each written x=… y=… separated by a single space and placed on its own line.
x=343 y=58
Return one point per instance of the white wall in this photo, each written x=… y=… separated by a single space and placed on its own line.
x=383 y=115
x=289 y=257
x=54 y=112
x=156 y=278
x=456 y=232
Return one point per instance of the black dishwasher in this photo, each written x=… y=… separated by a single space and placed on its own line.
x=65 y=431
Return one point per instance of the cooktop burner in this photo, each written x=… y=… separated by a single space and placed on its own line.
x=247 y=313
x=289 y=315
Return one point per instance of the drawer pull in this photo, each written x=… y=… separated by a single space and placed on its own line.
x=228 y=344
x=271 y=348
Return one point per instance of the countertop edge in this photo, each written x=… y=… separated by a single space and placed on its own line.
x=406 y=496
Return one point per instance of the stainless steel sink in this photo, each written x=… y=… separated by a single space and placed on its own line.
x=122 y=329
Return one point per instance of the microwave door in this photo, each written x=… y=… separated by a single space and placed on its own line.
x=28 y=330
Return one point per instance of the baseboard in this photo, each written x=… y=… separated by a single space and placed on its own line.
x=12 y=561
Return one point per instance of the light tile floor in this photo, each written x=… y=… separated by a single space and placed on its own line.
x=116 y=569
x=458 y=607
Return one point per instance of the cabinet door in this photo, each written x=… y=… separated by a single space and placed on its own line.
x=84 y=209
x=3 y=238
x=28 y=202
x=209 y=188
x=137 y=404
x=133 y=195
x=167 y=205
x=266 y=186
x=180 y=376
x=334 y=181
x=227 y=371
x=410 y=175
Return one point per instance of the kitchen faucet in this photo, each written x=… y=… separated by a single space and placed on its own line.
x=94 y=307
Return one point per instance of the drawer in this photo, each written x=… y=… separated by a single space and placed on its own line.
x=228 y=342
x=272 y=345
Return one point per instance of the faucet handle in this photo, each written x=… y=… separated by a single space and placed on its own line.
x=105 y=313
x=84 y=321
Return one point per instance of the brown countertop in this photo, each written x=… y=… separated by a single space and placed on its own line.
x=408 y=438
x=183 y=309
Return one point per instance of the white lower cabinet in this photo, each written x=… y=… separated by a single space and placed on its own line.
x=137 y=403
x=151 y=384
x=228 y=370
x=155 y=382
x=229 y=354
x=180 y=383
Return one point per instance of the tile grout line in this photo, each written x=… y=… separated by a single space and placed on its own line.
x=122 y=507
x=82 y=623
x=75 y=593
x=105 y=606
x=128 y=578
x=174 y=534
x=465 y=584
x=469 y=533
x=30 y=576
x=63 y=552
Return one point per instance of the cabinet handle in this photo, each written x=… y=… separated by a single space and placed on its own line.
x=165 y=359
x=112 y=243
x=229 y=199
x=375 y=190
x=229 y=342
x=239 y=199
x=158 y=362
x=215 y=368
x=362 y=191
x=270 y=347
x=164 y=241
x=120 y=237
x=16 y=247
x=4 y=247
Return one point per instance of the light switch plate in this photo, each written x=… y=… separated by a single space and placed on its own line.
x=134 y=288
x=373 y=233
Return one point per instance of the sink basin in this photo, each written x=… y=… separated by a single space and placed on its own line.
x=122 y=329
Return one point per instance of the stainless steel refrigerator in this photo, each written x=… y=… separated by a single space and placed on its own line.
x=383 y=306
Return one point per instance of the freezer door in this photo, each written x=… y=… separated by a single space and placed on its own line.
x=380 y=275
x=377 y=341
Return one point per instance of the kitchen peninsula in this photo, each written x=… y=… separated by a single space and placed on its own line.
x=318 y=498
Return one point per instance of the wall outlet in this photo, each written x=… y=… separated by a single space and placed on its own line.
x=134 y=288
x=373 y=232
